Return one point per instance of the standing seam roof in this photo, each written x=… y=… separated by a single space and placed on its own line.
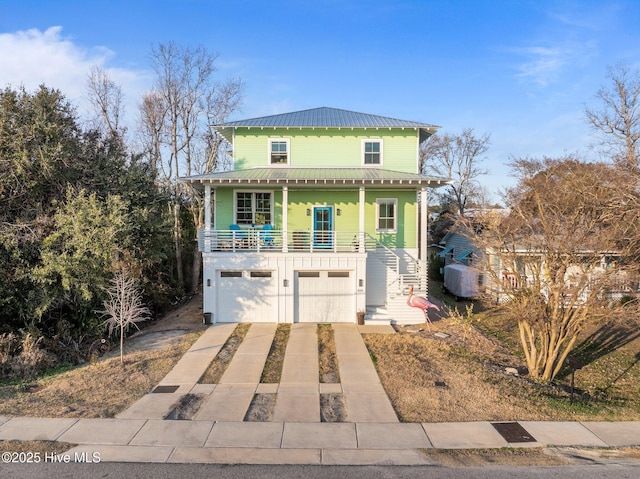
x=326 y=117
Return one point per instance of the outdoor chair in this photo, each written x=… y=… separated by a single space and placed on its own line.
x=266 y=236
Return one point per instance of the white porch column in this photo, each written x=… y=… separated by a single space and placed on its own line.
x=207 y=207
x=285 y=219
x=423 y=236
x=207 y=218
x=361 y=203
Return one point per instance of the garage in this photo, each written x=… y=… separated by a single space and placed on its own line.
x=324 y=297
x=246 y=296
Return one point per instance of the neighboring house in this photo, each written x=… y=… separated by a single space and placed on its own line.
x=495 y=277
x=458 y=249
x=317 y=221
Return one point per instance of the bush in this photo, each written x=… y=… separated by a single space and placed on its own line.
x=21 y=358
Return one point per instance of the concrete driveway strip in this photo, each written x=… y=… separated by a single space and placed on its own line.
x=195 y=361
x=616 y=434
x=248 y=361
x=298 y=397
x=35 y=428
x=150 y=406
x=228 y=402
x=365 y=398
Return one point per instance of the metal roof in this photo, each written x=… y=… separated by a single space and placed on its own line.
x=324 y=118
x=316 y=176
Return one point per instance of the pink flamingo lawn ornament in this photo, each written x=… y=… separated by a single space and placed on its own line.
x=421 y=303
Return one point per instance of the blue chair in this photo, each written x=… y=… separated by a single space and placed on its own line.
x=237 y=235
x=266 y=236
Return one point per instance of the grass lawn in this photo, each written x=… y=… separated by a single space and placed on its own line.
x=462 y=377
x=428 y=379
x=93 y=391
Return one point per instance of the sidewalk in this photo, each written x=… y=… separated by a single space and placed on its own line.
x=218 y=434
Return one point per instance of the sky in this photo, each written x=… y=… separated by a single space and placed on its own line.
x=522 y=71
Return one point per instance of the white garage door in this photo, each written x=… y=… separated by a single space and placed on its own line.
x=324 y=297
x=246 y=296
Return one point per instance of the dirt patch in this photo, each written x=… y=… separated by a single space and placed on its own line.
x=261 y=408
x=219 y=365
x=272 y=370
x=328 y=361
x=186 y=408
x=332 y=408
x=493 y=457
x=188 y=316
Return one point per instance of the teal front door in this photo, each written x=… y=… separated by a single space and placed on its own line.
x=322 y=227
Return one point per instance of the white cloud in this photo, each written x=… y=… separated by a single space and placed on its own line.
x=544 y=64
x=32 y=57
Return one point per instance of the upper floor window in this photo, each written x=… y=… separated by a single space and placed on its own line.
x=253 y=207
x=372 y=152
x=386 y=214
x=279 y=151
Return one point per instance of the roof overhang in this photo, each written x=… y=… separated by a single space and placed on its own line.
x=314 y=177
x=227 y=131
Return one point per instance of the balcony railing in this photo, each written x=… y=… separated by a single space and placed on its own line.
x=259 y=240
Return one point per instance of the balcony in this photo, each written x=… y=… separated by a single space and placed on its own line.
x=278 y=241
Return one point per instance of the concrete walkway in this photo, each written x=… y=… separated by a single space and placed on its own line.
x=218 y=434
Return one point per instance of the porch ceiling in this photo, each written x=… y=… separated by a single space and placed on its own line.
x=364 y=176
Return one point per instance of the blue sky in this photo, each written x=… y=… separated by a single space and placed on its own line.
x=519 y=70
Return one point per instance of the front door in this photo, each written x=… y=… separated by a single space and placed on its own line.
x=322 y=226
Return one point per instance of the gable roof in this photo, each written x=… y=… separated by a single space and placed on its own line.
x=316 y=176
x=325 y=118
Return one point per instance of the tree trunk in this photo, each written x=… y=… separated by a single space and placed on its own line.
x=177 y=241
x=197 y=212
x=196 y=273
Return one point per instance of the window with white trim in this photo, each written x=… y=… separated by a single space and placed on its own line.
x=372 y=152
x=386 y=215
x=279 y=151
x=253 y=207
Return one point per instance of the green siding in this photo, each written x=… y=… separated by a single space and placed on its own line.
x=345 y=200
x=327 y=148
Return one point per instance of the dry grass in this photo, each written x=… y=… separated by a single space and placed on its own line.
x=463 y=378
x=328 y=361
x=492 y=457
x=219 y=365
x=272 y=370
x=42 y=447
x=93 y=391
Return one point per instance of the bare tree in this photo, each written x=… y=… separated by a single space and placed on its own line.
x=124 y=307
x=559 y=256
x=457 y=157
x=617 y=120
x=175 y=123
x=152 y=115
x=106 y=99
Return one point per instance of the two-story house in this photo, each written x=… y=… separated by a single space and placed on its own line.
x=318 y=220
